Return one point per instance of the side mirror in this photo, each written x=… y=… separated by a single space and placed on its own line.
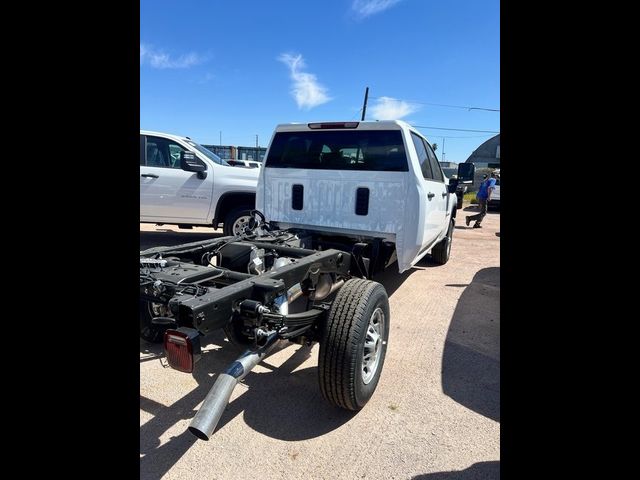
x=466 y=172
x=190 y=163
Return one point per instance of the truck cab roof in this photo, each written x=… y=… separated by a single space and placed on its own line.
x=333 y=125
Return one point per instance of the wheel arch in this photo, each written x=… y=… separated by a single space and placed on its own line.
x=230 y=200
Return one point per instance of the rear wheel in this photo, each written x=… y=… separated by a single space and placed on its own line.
x=236 y=221
x=354 y=344
x=441 y=252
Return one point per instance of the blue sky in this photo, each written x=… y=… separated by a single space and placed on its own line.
x=241 y=67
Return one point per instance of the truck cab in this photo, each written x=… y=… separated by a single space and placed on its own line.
x=367 y=181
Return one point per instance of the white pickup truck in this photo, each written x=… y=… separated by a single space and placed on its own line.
x=494 y=201
x=183 y=183
x=374 y=182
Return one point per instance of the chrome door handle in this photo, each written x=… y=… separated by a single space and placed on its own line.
x=149 y=175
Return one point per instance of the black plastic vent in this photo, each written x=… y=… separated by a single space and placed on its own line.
x=297 y=197
x=362 y=201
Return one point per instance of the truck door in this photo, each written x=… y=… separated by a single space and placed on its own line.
x=168 y=193
x=433 y=199
x=443 y=193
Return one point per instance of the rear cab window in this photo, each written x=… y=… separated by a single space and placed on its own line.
x=423 y=156
x=435 y=165
x=373 y=150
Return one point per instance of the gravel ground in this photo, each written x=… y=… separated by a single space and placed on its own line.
x=435 y=414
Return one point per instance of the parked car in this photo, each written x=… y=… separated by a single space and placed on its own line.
x=183 y=183
x=495 y=195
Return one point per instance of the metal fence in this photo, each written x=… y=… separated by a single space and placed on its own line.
x=229 y=152
x=251 y=153
x=223 y=151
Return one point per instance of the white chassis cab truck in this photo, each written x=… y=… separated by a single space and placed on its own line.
x=336 y=203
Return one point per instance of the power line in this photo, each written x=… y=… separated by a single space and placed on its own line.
x=357 y=114
x=451 y=106
x=455 y=129
x=474 y=136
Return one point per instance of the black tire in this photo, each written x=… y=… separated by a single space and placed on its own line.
x=234 y=215
x=459 y=204
x=148 y=331
x=441 y=252
x=342 y=347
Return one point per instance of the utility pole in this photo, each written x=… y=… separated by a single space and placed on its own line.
x=220 y=137
x=364 y=108
x=256 y=140
x=443 y=149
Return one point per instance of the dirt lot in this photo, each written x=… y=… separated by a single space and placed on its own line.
x=435 y=414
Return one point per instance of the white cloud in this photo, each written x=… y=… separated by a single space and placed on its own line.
x=387 y=108
x=159 y=59
x=366 y=8
x=305 y=89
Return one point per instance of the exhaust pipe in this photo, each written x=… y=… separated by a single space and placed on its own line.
x=207 y=418
x=325 y=287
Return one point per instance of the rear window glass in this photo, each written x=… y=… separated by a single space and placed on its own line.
x=378 y=150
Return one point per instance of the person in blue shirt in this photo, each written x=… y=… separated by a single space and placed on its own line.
x=483 y=196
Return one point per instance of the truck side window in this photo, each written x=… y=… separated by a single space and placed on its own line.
x=143 y=160
x=423 y=157
x=163 y=153
x=435 y=165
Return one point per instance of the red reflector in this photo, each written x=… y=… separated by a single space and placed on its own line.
x=321 y=126
x=182 y=349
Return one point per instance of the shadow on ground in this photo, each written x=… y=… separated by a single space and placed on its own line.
x=471 y=357
x=281 y=403
x=391 y=279
x=477 y=471
x=286 y=404
x=474 y=208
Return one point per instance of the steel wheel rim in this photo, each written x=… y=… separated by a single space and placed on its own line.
x=240 y=225
x=372 y=345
